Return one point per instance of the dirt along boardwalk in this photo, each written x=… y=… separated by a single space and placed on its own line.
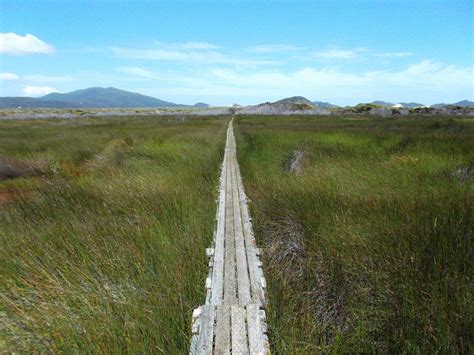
x=232 y=320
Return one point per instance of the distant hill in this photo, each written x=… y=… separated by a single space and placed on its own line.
x=294 y=100
x=323 y=104
x=382 y=103
x=304 y=100
x=88 y=98
x=201 y=105
x=464 y=103
x=439 y=105
x=105 y=98
x=30 y=102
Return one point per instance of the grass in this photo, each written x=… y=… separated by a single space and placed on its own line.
x=366 y=224
x=102 y=249
x=368 y=243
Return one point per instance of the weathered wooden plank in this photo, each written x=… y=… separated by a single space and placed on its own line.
x=255 y=273
x=241 y=257
x=218 y=259
x=239 y=330
x=230 y=284
x=254 y=329
x=206 y=330
x=230 y=137
x=222 y=342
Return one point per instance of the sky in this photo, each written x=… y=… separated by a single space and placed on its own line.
x=246 y=52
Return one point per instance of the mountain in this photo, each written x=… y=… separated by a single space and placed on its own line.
x=464 y=103
x=323 y=104
x=201 y=105
x=30 y=102
x=382 y=103
x=89 y=98
x=106 y=98
x=294 y=100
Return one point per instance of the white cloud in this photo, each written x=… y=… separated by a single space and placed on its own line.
x=48 y=79
x=424 y=74
x=197 y=45
x=426 y=81
x=11 y=43
x=37 y=90
x=393 y=54
x=192 y=45
x=136 y=71
x=272 y=48
x=190 y=53
x=9 y=76
x=337 y=53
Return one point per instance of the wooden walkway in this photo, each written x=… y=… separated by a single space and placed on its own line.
x=233 y=318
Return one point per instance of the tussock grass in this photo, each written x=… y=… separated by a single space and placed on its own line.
x=105 y=252
x=368 y=246
x=15 y=168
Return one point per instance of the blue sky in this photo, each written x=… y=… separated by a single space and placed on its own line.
x=242 y=52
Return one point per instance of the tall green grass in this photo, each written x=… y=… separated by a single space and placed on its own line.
x=104 y=250
x=368 y=247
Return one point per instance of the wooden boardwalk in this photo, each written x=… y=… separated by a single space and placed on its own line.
x=232 y=320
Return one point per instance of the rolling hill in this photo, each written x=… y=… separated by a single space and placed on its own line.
x=463 y=103
x=323 y=104
x=30 y=102
x=91 y=98
x=107 y=97
x=294 y=100
x=304 y=100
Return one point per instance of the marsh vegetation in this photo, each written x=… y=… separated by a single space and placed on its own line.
x=366 y=226
x=368 y=245
x=103 y=229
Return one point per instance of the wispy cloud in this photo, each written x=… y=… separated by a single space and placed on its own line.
x=48 y=79
x=425 y=81
x=37 y=90
x=11 y=43
x=193 y=79
x=352 y=53
x=337 y=53
x=31 y=84
x=195 y=45
x=136 y=71
x=9 y=76
x=393 y=54
x=204 y=71
x=190 y=57
x=191 y=53
x=272 y=48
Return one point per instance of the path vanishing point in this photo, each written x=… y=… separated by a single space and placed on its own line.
x=232 y=320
